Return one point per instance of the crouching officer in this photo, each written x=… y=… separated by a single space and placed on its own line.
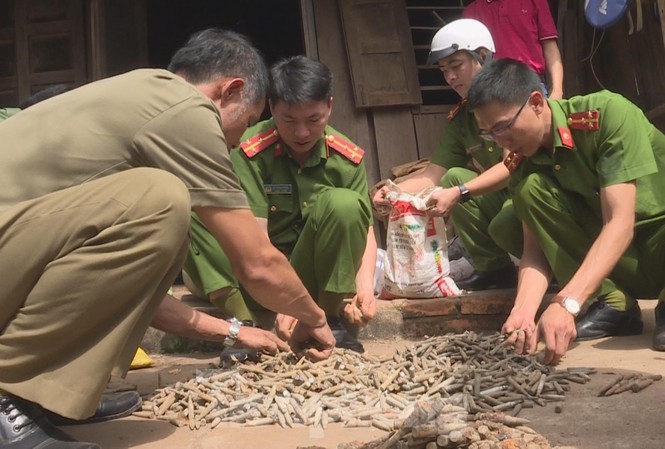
x=307 y=187
x=587 y=176
x=469 y=168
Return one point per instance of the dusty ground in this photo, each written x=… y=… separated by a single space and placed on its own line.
x=625 y=421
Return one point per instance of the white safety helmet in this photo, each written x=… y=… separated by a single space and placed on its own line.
x=462 y=34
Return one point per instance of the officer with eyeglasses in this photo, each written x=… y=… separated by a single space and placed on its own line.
x=468 y=168
x=587 y=176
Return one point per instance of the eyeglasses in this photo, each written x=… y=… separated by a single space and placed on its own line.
x=492 y=135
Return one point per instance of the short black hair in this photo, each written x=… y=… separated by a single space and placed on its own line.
x=44 y=94
x=300 y=80
x=215 y=53
x=504 y=81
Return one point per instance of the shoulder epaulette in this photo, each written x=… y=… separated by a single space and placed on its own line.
x=254 y=145
x=587 y=120
x=454 y=111
x=512 y=161
x=347 y=149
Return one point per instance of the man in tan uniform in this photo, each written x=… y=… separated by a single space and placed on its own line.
x=94 y=216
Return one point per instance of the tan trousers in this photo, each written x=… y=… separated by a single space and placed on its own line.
x=83 y=271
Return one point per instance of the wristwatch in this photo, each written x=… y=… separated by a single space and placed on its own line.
x=230 y=339
x=465 y=195
x=569 y=303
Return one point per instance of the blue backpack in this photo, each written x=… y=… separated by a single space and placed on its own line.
x=604 y=13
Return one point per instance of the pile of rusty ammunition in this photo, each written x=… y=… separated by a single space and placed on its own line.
x=435 y=424
x=469 y=370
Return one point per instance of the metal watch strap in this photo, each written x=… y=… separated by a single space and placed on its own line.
x=465 y=195
x=234 y=330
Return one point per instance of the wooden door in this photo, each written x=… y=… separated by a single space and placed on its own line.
x=380 y=52
x=42 y=42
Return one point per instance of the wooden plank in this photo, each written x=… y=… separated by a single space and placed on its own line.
x=428 y=132
x=380 y=52
x=345 y=117
x=395 y=138
x=660 y=4
x=96 y=37
x=22 y=51
x=309 y=28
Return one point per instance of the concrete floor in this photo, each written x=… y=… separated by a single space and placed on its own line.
x=629 y=420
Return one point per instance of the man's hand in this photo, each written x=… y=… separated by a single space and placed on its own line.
x=557 y=328
x=443 y=201
x=315 y=343
x=362 y=308
x=380 y=200
x=284 y=325
x=521 y=331
x=260 y=340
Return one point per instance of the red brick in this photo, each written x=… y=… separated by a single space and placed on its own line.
x=412 y=308
x=486 y=306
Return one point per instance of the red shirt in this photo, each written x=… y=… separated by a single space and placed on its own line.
x=517 y=27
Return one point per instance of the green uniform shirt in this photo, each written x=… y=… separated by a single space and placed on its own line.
x=144 y=118
x=282 y=191
x=5 y=113
x=626 y=147
x=462 y=146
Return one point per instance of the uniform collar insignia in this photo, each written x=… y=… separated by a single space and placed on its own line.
x=512 y=161
x=566 y=137
x=454 y=111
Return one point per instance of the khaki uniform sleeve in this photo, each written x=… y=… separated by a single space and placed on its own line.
x=187 y=140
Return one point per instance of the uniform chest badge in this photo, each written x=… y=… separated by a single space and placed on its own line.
x=278 y=189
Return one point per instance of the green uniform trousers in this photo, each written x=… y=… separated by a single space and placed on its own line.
x=84 y=270
x=326 y=256
x=487 y=224
x=566 y=225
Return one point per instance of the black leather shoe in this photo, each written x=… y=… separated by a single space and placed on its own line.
x=659 y=331
x=23 y=425
x=344 y=335
x=505 y=277
x=111 y=406
x=231 y=356
x=603 y=321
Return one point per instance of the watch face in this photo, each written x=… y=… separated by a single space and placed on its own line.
x=571 y=305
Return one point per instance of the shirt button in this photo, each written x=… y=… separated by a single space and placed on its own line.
x=300 y=171
x=304 y=204
x=490 y=149
x=273 y=208
x=557 y=167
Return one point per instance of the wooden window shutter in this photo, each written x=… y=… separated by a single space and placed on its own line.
x=380 y=52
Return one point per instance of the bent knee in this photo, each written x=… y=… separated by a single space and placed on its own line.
x=345 y=203
x=456 y=176
x=163 y=196
x=531 y=188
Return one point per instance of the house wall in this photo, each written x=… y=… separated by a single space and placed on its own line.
x=391 y=135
